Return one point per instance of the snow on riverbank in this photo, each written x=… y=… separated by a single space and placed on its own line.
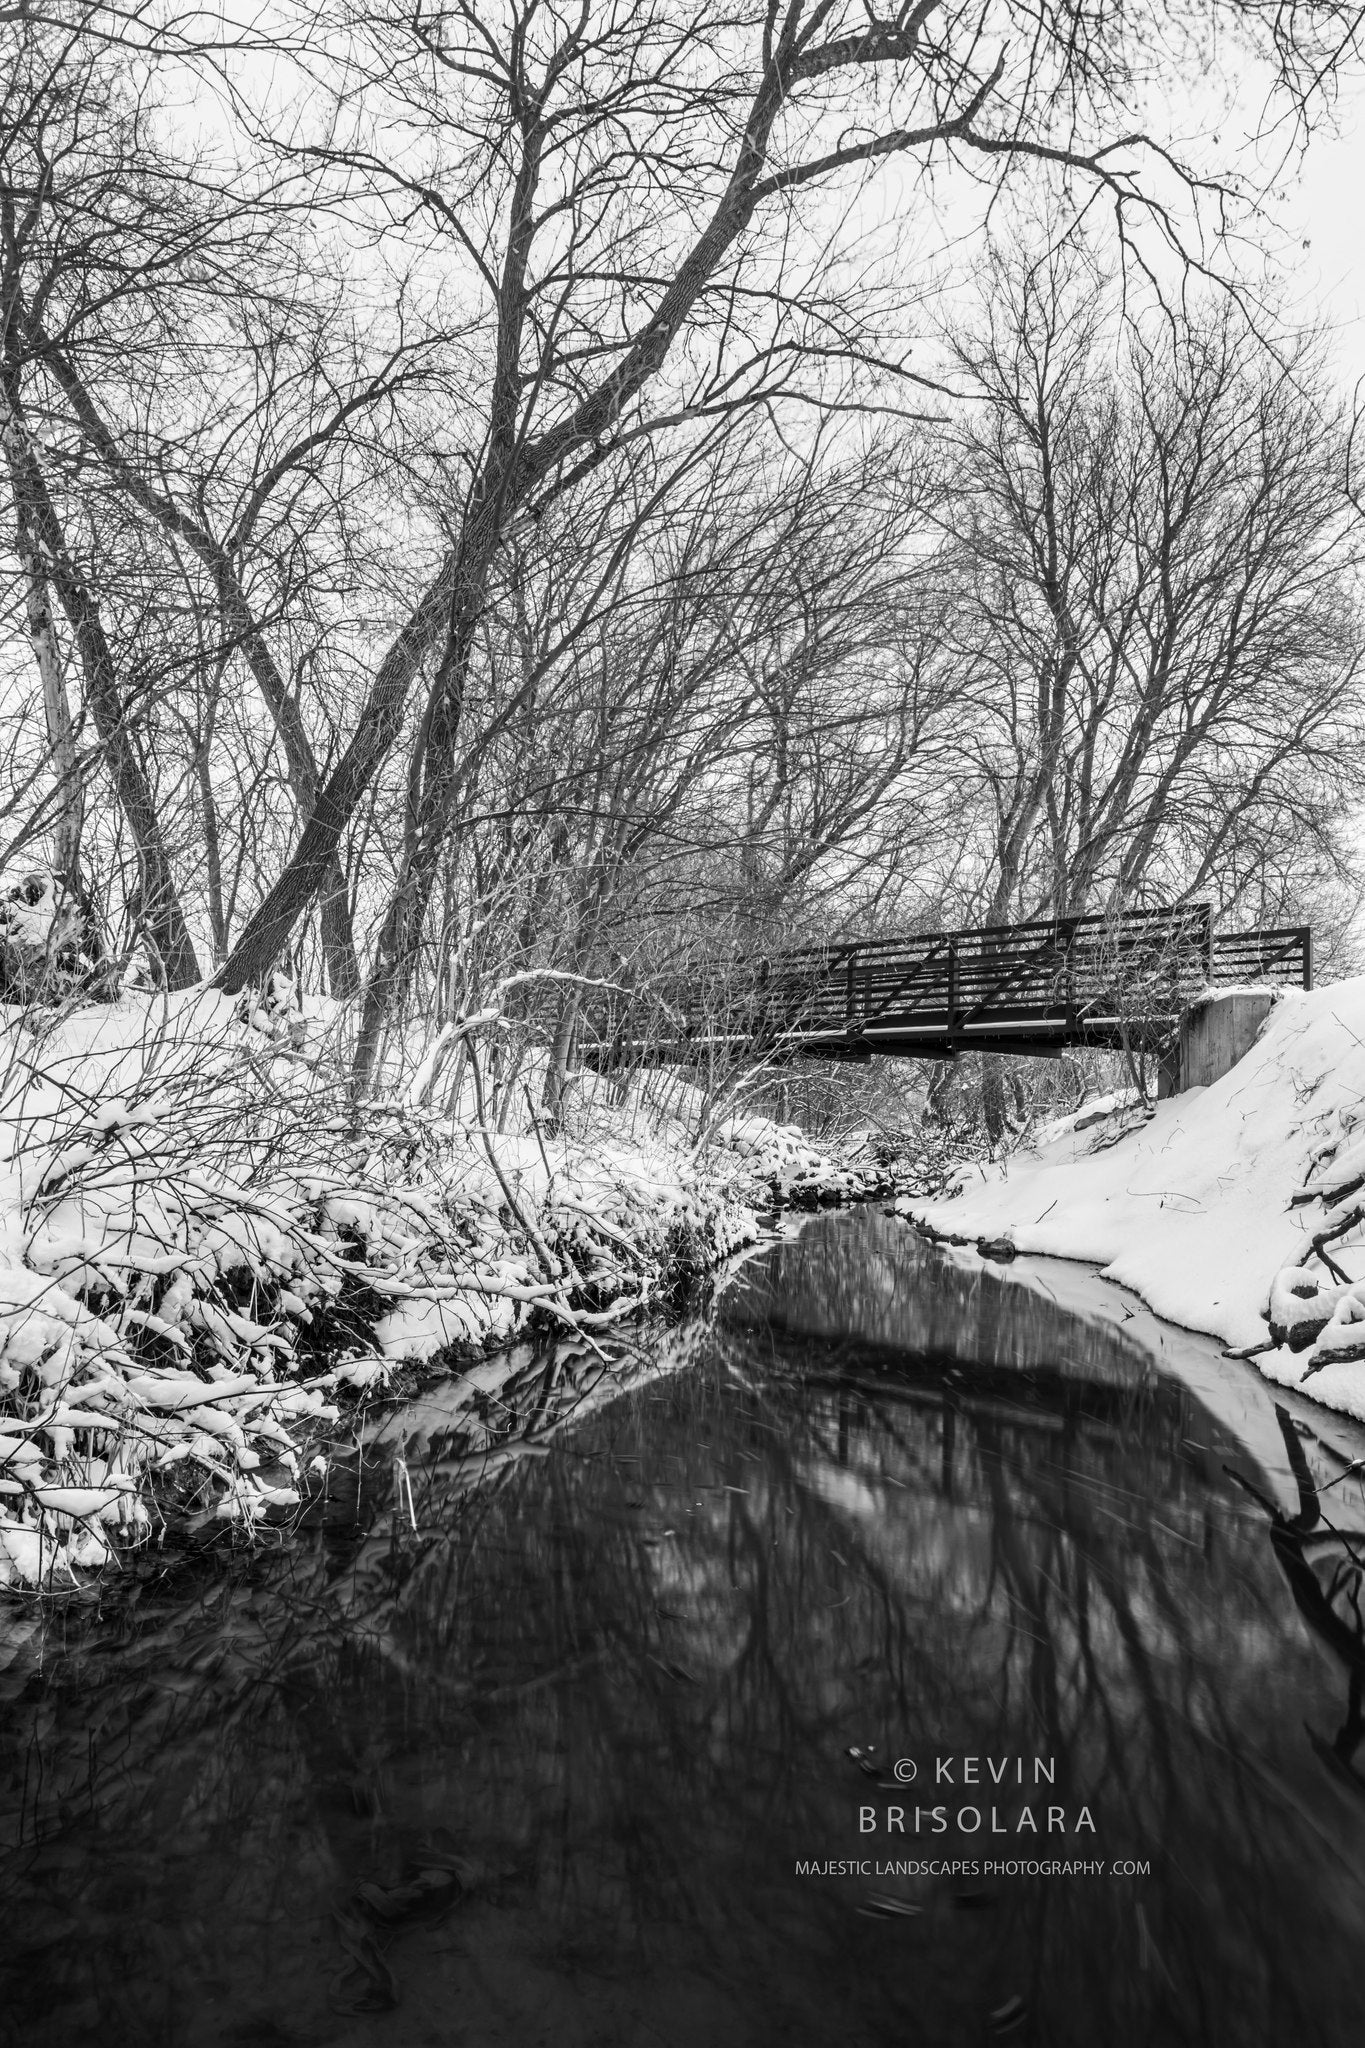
x=202 y=1245
x=1237 y=1209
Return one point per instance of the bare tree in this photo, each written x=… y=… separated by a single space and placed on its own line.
x=292 y=403
x=612 y=210
x=1159 y=597
x=621 y=716
x=204 y=365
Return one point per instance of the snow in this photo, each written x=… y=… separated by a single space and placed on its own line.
x=1208 y=1205
x=422 y=1329
x=187 y=1197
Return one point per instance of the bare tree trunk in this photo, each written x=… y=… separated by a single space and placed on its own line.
x=208 y=819
x=61 y=738
x=993 y=1096
x=400 y=935
x=557 y=1072
x=334 y=909
x=311 y=861
x=160 y=912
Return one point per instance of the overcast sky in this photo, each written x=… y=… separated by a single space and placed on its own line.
x=1325 y=206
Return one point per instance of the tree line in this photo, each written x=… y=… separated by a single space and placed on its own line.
x=471 y=507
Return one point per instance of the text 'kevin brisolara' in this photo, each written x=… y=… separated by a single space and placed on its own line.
x=971 y=1820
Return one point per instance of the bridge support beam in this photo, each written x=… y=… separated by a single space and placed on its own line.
x=1214 y=1035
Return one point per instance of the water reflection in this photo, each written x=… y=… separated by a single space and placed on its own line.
x=542 y=1767
x=1322 y=1563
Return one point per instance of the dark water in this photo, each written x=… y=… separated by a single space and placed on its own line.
x=541 y=1770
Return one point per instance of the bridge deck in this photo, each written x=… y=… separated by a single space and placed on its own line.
x=1027 y=988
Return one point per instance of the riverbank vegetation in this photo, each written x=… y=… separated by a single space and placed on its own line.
x=209 y=1246
x=509 y=510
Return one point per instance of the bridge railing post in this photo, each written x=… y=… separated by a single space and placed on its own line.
x=1069 y=932
x=1306 y=934
x=952 y=985
x=851 y=993
x=1208 y=942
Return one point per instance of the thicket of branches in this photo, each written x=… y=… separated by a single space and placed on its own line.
x=471 y=506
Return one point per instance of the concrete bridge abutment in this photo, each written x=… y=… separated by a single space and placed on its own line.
x=1213 y=1036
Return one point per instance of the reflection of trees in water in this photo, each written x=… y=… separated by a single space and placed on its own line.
x=929 y=1302
x=625 y=1678
x=1116 y=1616
x=1145 y=1640
x=1324 y=1564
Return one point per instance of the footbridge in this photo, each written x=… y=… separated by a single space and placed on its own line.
x=1036 y=988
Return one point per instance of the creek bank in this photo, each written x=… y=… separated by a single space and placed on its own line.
x=1237 y=1209
x=207 y=1252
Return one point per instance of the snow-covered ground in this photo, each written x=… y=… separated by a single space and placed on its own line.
x=202 y=1245
x=203 y=1248
x=1237 y=1209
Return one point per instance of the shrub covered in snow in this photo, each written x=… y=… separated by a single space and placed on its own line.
x=42 y=937
x=204 y=1243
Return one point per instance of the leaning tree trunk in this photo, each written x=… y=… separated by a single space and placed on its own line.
x=314 y=858
x=515 y=466
x=334 y=906
x=61 y=737
x=159 y=909
x=401 y=933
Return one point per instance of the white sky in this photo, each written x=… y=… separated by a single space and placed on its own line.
x=935 y=233
x=1325 y=207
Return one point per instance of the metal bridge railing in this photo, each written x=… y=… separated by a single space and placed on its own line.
x=1078 y=980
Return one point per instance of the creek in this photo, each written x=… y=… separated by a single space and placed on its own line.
x=696 y=1693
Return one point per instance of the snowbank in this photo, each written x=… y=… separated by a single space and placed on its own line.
x=1235 y=1209
x=202 y=1243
